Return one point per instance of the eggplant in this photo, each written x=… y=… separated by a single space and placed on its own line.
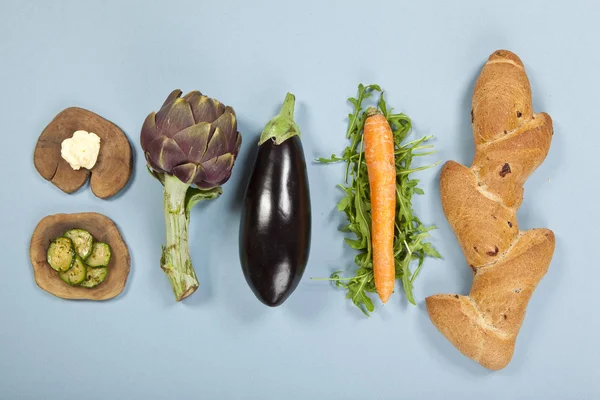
x=276 y=218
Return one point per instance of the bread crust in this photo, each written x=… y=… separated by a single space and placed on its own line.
x=481 y=203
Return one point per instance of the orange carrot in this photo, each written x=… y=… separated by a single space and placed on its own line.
x=381 y=167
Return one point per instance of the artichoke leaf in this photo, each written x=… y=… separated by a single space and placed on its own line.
x=204 y=108
x=174 y=95
x=174 y=117
x=194 y=195
x=157 y=175
x=227 y=123
x=216 y=171
x=186 y=173
x=164 y=154
x=194 y=140
x=149 y=132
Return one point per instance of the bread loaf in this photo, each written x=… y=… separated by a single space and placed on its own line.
x=481 y=204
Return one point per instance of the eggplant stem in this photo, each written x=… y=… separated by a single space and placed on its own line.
x=282 y=127
x=287 y=109
x=175 y=260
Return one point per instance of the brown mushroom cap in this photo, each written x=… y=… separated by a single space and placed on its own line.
x=113 y=168
x=103 y=229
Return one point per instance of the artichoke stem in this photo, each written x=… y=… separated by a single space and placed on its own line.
x=175 y=260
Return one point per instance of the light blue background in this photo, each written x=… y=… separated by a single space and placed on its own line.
x=121 y=59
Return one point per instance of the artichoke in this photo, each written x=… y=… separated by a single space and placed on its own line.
x=190 y=146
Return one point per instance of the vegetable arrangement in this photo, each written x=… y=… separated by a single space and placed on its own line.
x=378 y=202
x=276 y=217
x=79 y=260
x=191 y=140
x=191 y=145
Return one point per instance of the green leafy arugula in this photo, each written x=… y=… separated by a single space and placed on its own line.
x=410 y=234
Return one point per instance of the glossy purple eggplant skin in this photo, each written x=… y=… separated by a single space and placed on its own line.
x=276 y=222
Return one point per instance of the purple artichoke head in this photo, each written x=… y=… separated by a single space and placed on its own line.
x=192 y=137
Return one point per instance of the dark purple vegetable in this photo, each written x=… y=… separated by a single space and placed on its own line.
x=275 y=226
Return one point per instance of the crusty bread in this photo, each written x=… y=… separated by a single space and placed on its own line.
x=481 y=205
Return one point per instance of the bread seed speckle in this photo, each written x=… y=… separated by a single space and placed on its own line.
x=505 y=170
x=493 y=253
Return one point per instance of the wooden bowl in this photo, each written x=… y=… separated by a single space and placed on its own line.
x=113 y=167
x=103 y=229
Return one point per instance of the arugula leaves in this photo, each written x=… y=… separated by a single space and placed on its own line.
x=410 y=233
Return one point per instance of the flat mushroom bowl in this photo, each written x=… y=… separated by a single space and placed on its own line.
x=103 y=229
x=113 y=167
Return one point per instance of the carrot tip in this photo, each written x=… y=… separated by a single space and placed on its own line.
x=385 y=294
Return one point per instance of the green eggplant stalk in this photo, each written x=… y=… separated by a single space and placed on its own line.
x=190 y=146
